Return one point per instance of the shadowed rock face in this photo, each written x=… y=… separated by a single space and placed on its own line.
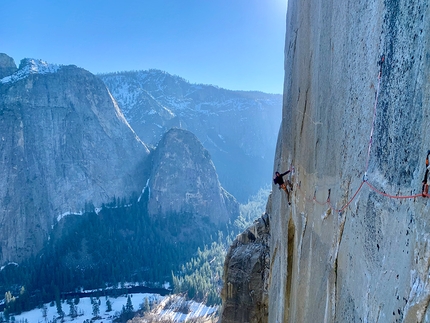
x=246 y=269
x=184 y=181
x=7 y=65
x=63 y=142
x=370 y=261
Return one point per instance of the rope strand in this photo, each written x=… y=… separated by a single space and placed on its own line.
x=328 y=202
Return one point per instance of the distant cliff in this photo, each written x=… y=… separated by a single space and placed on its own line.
x=181 y=208
x=353 y=246
x=238 y=128
x=7 y=65
x=63 y=143
x=66 y=148
x=183 y=181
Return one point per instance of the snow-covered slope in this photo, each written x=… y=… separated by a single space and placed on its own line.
x=165 y=308
x=30 y=66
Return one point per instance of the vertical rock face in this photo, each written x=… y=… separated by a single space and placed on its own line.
x=7 y=65
x=184 y=181
x=344 y=252
x=246 y=269
x=63 y=142
x=368 y=262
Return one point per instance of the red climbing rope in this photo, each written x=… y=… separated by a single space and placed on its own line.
x=356 y=193
x=352 y=198
x=328 y=202
x=367 y=165
x=394 y=196
x=318 y=202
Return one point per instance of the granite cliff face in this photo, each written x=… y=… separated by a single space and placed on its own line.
x=245 y=291
x=63 y=142
x=183 y=181
x=354 y=244
x=238 y=128
x=7 y=65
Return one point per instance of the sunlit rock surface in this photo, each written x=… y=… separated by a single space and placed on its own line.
x=366 y=261
x=63 y=143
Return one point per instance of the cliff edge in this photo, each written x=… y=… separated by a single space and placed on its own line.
x=354 y=244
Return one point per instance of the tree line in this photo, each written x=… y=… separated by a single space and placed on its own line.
x=122 y=243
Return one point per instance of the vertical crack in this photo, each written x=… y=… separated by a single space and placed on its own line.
x=290 y=258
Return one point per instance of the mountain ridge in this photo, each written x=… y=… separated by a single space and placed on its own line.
x=182 y=79
x=52 y=128
x=68 y=153
x=238 y=128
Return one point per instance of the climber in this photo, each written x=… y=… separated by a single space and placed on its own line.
x=425 y=185
x=277 y=179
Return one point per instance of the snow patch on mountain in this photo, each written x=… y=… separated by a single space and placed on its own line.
x=144 y=189
x=30 y=66
x=63 y=215
x=8 y=264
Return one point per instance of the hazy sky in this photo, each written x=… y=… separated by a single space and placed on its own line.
x=235 y=44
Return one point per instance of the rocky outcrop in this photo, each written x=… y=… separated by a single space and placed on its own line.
x=349 y=250
x=246 y=271
x=184 y=181
x=7 y=65
x=63 y=143
x=238 y=128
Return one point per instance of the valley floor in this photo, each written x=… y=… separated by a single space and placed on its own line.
x=166 y=308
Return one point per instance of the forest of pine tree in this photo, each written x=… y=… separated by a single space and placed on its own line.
x=121 y=243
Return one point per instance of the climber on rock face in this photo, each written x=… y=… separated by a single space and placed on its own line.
x=425 y=185
x=277 y=179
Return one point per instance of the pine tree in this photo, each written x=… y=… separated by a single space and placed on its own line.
x=108 y=306
x=8 y=298
x=45 y=312
x=73 y=312
x=146 y=307
x=96 y=309
x=59 y=309
x=129 y=305
x=24 y=298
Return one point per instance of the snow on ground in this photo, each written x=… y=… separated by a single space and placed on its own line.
x=85 y=309
x=169 y=307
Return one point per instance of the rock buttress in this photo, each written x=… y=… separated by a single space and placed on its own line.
x=246 y=269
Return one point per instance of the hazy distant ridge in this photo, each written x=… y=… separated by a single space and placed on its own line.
x=238 y=128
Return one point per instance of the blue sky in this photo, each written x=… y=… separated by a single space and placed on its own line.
x=235 y=44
